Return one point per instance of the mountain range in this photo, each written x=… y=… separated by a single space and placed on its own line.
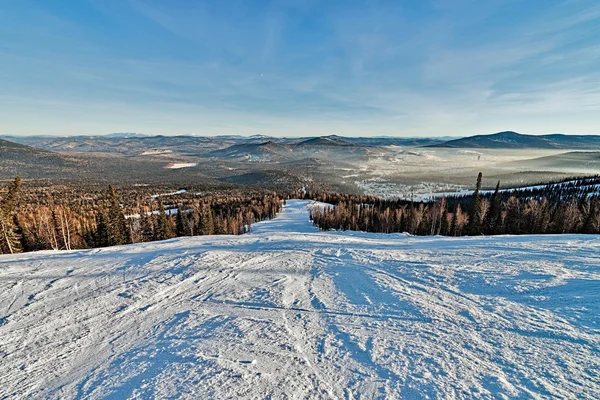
x=514 y=140
x=336 y=160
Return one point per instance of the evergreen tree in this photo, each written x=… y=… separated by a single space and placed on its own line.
x=207 y=226
x=592 y=217
x=147 y=227
x=101 y=235
x=118 y=231
x=489 y=225
x=24 y=240
x=163 y=229
x=179 y=224
x=474 y=225
x=9 y=236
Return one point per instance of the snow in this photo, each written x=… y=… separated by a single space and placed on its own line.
x=154 y=152
x=180 y=191
x=288 y=311
x=181 y=165
x=168 y=211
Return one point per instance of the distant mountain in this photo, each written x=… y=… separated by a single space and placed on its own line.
x=396 y=141
x=19 y=153
x=514 y=140
x=26 y=161
x=135 y=145
x=325 y=141
x=274 y=150
x=128 y=146
x=33 y=163
x=266 y=151
x=125 y=135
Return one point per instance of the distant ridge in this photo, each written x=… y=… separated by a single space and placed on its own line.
x=514 y=140
x=20 y=152
x=264 y=149
x=125 y=135
x=26 y=161
x=332 y=140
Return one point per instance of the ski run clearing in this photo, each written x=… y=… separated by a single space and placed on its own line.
x=288 y=311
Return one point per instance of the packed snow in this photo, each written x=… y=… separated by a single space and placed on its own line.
x=288 y=311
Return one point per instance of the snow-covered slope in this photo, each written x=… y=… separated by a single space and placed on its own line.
x=291 y=312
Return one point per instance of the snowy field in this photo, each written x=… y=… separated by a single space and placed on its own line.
x=291 y=312
x=181 y=165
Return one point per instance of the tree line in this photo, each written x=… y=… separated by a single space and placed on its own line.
x=53 y=221
x=570 y=207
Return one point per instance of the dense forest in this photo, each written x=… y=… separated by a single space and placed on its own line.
x=562 y=207
x=69 y=218
x=66 y=217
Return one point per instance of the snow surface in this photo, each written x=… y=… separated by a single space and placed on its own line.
x=181 y=165
x=290 y=312
x=180 y=191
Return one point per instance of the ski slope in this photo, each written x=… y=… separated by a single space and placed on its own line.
x=290 y=312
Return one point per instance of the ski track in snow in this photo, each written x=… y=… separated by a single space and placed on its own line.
x=288 y=311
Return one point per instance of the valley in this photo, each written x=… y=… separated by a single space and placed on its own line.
x=386 y=167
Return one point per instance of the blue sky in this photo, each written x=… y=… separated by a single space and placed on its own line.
x=296 y=67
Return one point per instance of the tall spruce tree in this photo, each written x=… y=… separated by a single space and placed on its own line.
x=474 y=224
x=163 y=230
x=101 y=234
x=146 y=227
x=207 y=221
x=489 y=224
x=118 y=231
x=179 y=224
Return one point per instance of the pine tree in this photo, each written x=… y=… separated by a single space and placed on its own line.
x=474 y=225
x=179 y=224
x=101 y=235
x=23 y=237
x=118 y=231
x=9 y=237
x=592 y=217
x=147 y=227
x=207 y=222
x=489 y=225
x=163 y=230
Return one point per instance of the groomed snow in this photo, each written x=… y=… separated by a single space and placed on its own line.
x=291 y=312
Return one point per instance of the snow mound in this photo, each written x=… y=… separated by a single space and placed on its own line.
x=291 y=312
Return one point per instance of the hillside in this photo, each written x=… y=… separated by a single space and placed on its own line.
x=289 y=311
x=129 y=146
x=26 y=161
x=325 y=141
x=33 y=163
x=514 y=140
x=11 y=151
x=266 y=151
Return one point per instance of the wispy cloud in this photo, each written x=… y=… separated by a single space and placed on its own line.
x=301 y=67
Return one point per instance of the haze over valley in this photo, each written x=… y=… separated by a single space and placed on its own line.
x=387 y=167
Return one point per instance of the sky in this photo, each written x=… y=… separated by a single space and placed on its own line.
x=299 y=67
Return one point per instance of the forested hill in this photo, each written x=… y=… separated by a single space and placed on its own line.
x=514 y=140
